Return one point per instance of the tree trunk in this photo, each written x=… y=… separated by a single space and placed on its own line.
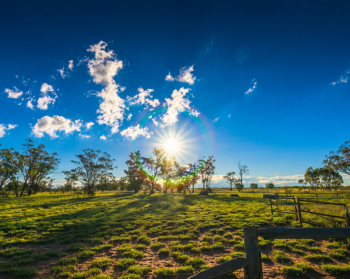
x=23 y=188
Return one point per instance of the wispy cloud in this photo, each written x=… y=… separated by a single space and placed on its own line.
x=135 y=131
x=65 y=73
x=216 y=119
x=103 y=67
x=52 y=125
x=343 y=79
x=4 y=128
x=185 y=75
x=84 y=136
x=251 y=89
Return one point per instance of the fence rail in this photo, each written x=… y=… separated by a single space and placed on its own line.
x=252 y=262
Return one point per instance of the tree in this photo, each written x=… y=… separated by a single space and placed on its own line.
x=270 y=186
x=339 y=160
x=153 y=167
x=302 y=182
x=231 y=179
x=207 y=170
x=239 y=187
x=193 y=171
x=253 y=186
x=312 y=176
x=34 y=163
x=91 y=166
x=169 y=171
x=328 y=176
x=135 y=177
x=243 y=169
x=7 y=171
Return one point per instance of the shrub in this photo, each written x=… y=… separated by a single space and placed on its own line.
x=124 y=263
x=137 y=269
x=270 y=186
x=100 y=263
x=196 y=262
x=203 y=192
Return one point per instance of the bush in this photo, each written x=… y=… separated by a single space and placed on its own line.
x=270 y=186
x=203 y=192
x=253 y=186
x=239 y=187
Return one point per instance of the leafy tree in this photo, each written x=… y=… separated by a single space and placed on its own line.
x=302 y=182
x=91 y=166
x=243 y=170
x=253 y=186
x=193 y=174
x=207 y=170
x=239 y=187
x=154 y=167
x=328 y=176
x=135 y=177
x=312 y=176
x=230 y=177
x=7 y=171
x=34 y=164
x=122 y=183
x=270 y=186
x=339 y=160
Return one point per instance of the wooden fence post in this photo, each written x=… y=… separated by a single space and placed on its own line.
x=337 y=197
x=347 y=216
x=299 y=211
x=251 y=248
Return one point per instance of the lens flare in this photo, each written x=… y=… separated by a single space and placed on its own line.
x=170 y=146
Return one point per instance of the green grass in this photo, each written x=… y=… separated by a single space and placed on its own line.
x=187 y=229
x=336 y=269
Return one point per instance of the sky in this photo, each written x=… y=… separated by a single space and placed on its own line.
x=264 y=83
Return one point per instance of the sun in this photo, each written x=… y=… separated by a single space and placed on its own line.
x=171 y=145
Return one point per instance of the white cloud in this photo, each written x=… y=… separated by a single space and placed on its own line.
x=3 y=129
x=84 y=136
x=216 y=119
x=229 y=115
x=175 y=105
x=62 y=72
x=169 y=77
x=129 y=116
x=135 y=131
x=103 y=67
x=143 y=98
x=254 y=82
x=52 y=125
x=184 y=76
x=342 y=79
x=155 y=122
x=103 y=137
x=65 y=73
x=46 y=99
x=89 y=125
x=13 y=94
x=70 y=65
x=29 y=104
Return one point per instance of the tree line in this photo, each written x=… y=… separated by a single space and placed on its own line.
x=94 y=171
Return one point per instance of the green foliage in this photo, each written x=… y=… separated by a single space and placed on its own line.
x=85 y=254
x=100 y=263
x=270 y=186
x=196 y=262
x=137 y=269
x=280 y=256
x=124 y=263
x=336 y=269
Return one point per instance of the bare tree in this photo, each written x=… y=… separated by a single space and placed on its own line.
x=243 y=170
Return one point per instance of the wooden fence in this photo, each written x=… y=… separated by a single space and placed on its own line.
x=252 y=261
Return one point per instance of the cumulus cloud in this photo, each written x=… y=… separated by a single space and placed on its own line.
x=45 y=98
x=103 y=67
x=89 y=125
x=52 y=125
x=185 y=75
x=343 y=79
x=29 y=104
x=103 y=137
x=143 y=98
x=178 y=103
x=70 y=65
x=13 y=94
x=135 y=131
x=62 y=72
x=254 y=83
x=169 y=77
x=3 y=129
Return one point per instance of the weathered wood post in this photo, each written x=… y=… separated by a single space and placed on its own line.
x=337 y=197
x=299 y=213
x=251 y=247
x=347 y=216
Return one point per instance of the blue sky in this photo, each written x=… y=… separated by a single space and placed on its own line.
x=266 y=83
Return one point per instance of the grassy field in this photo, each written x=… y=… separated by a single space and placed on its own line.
x=126 y=235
